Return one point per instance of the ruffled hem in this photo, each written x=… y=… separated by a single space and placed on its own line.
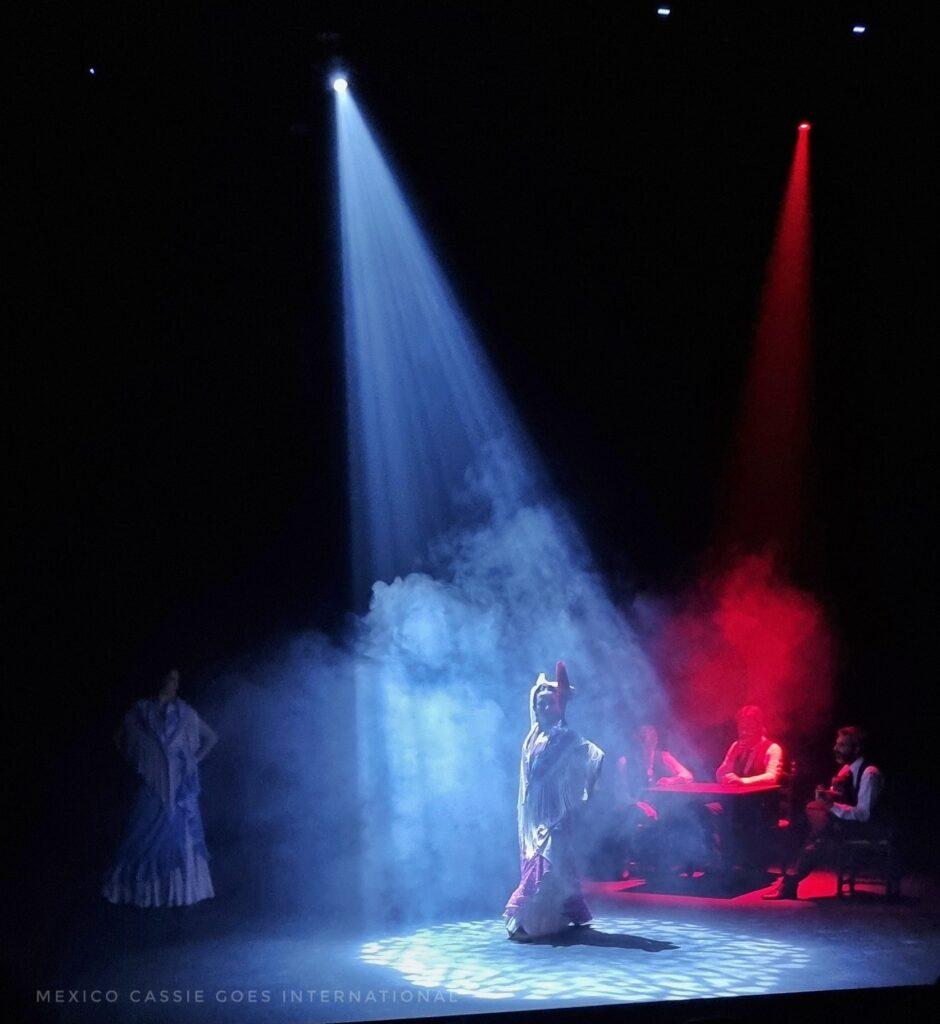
x=179 y=887
x=544 y=903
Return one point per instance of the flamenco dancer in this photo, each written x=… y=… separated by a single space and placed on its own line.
x=162 y=860
x=558 y=771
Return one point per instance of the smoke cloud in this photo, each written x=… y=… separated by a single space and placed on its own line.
x=745 y=635
x=377 y=775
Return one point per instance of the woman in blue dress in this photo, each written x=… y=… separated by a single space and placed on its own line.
x=162 y=860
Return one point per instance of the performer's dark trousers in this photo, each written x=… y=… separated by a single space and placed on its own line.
x=820 y=842
x=737 y=834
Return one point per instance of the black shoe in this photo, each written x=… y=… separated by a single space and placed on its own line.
x=783 y=889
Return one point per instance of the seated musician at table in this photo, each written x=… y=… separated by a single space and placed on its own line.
x=753 y=759
x=645 y=765
x=847 y=809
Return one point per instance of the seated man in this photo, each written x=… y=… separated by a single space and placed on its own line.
x=843 y=810
x=752 y=759
x=647 y=764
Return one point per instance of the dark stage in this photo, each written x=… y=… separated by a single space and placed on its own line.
x=642 y=948
x=452 y=439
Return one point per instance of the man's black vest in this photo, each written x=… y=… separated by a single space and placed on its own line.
x=878 y=812
x=848 y=786
x=641 y=774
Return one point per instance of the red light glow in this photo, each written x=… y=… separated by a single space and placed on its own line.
x=746 y=636
x=804 y=126
x=744 y=633
x=764 y=498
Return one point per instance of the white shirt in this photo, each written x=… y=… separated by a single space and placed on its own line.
x=769 y=771
x=868 y=789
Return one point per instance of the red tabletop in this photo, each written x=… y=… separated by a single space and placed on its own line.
x=713 y=788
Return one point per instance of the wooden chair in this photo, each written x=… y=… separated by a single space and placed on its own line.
x=874 y=857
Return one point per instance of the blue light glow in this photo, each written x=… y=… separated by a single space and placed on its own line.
x=91 y=71
x=664 y=12
x=340 y=84
x=423 y=403
x=859 y=30
x=679 y=961
x=483 y=578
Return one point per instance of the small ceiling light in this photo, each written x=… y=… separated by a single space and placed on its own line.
x=340 y=84
x=859 y=30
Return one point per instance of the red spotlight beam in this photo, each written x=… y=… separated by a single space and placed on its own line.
x=766 y=492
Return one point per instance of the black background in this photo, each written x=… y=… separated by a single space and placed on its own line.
x=602 y=186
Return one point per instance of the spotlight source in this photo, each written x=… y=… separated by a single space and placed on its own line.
x=664 y=12
x=859 y=30
x=340 y=84
x=804 y=126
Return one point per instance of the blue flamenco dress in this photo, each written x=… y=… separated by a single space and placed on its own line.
x=162 y=860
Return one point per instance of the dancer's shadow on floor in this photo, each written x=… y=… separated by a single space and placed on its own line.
x=613 y=940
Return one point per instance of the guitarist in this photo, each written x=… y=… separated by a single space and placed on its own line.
x=845 y=808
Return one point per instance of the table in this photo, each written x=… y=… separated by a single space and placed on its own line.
x=745 y=810
x=713 y=789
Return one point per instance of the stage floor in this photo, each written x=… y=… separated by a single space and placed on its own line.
x=642 y=947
